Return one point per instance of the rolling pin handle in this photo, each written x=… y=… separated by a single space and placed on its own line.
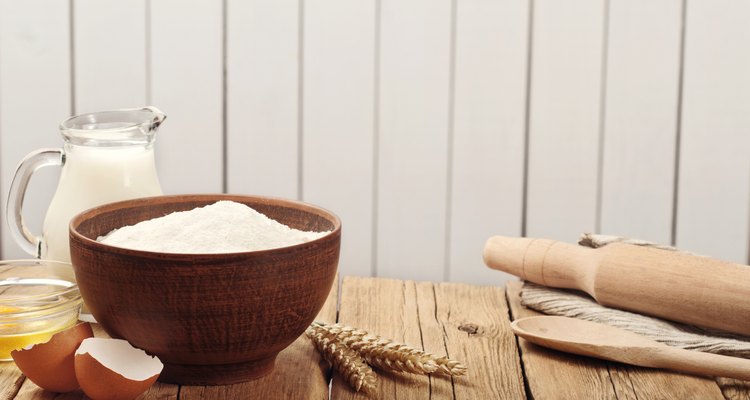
x=522 y=257
x=506 y=254
x=543 y=261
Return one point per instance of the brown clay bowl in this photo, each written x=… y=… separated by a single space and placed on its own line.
x=210 y=318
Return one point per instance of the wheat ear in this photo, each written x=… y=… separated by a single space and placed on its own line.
x=389 y=355
x=346 y=361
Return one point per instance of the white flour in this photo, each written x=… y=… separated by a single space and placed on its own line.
x=222 y=227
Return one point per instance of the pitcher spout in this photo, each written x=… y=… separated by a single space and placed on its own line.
x=158 y=118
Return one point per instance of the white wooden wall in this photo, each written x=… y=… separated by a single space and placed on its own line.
x=427 y=125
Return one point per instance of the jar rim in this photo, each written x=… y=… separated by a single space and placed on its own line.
x=62 y=295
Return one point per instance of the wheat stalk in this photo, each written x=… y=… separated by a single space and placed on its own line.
x=347 y=362
x=389 y=355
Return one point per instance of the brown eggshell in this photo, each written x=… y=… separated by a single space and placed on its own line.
x=51 y=365
x=99 y=382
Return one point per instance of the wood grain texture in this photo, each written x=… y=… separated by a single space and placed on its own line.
x=35 y=96
x=491 y=45
x=591 y=378
x=338 y=121
x=554 y=375
x=387 y=307
x=262 y=97
x=468 y=323
x=11 y=380
x=734 y=389
x=640 y=119
x=647 y=383
x=445 y=319
x=564 y=117
x=30 y=391
x=476 y=331
x=186 y=65
x=161 y=391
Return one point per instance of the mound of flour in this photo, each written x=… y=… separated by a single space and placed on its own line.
x=222 y=227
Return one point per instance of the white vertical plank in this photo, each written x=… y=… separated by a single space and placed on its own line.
x=262 y=97
x=413 y=136
x=110 y=54
x=489 y=130
x=564 y=117
x=338 y=120
x=34 y=98
x=714 y=176
x=640 y=126
x=186 y=83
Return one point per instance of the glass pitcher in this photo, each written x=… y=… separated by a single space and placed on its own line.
x=107 y=156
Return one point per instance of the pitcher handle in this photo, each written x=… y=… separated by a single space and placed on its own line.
x=29 y=242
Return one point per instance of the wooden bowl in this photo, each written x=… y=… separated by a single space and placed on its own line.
x=210 y=318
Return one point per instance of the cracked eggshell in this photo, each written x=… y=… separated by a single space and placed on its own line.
x=51 y=364
x=112 y=369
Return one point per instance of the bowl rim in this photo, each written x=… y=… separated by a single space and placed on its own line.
x=67 y=298
x=210 y=198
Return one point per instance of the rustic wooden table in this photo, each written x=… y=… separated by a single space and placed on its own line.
x=469 y=323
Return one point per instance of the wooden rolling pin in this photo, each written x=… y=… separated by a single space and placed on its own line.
x=668 y=284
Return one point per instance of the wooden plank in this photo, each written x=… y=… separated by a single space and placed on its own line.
x=640 y=126
x=554 y=375
x=734 y=389
x=712 y=207
x=654 y=384
x=110 y=54
x=414 y=75
x=551 y=374
x=300 y=372
x=262 y=97
x=30 y=391
x=187 y=84
x=471 y=324
x=34 y=98
x=161 y=391
x=565 y=104
x=434 y=333
x=386 y=307
x=437 y=319
x=338 y=121
x=11 y=380
x=491 y=48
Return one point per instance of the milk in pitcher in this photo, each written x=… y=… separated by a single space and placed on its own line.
x=96 y=176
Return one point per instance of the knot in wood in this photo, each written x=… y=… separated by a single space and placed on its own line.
x=471 y=329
